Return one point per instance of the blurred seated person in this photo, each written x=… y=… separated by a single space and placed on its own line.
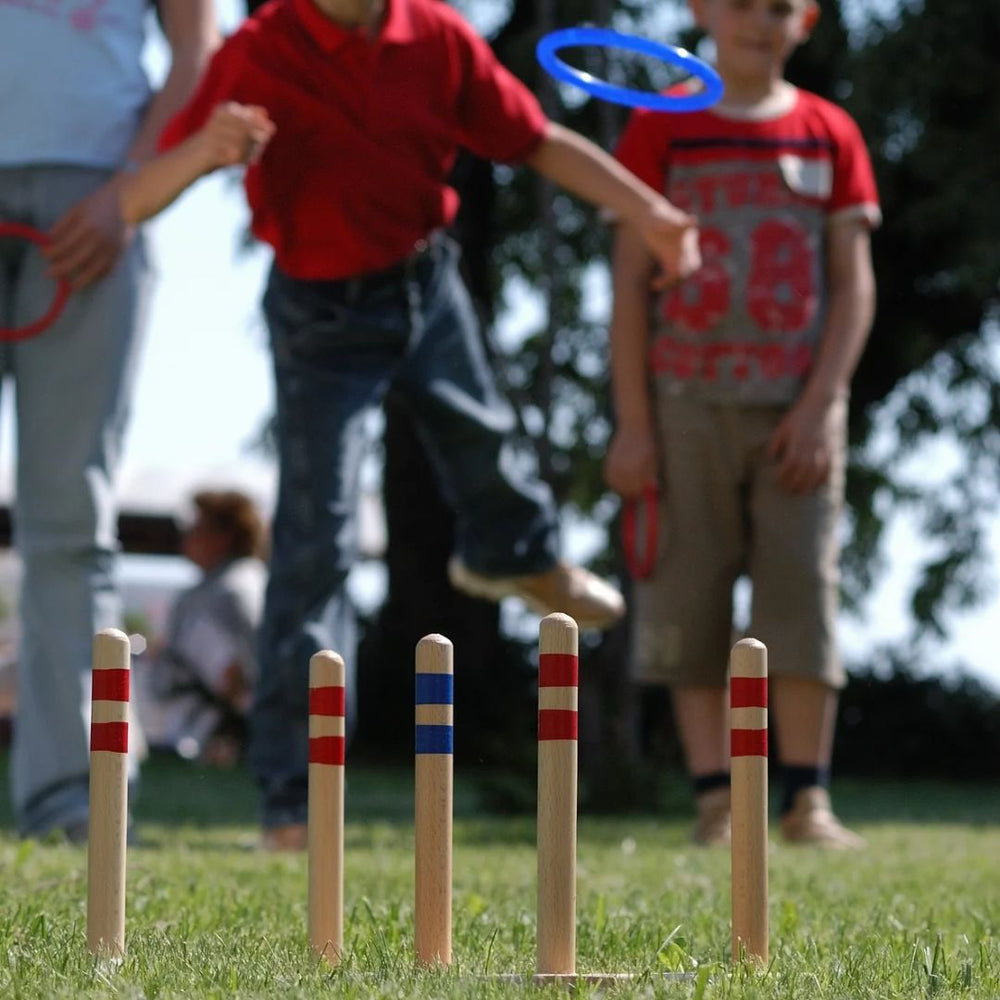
x=197 y=686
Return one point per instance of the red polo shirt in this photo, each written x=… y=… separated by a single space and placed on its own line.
x=367 y=130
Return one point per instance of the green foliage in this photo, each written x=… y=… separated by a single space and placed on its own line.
x=926 y=97
x=925 y=91
x=895 y=724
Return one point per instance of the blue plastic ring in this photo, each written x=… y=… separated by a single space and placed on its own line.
x=549 y=45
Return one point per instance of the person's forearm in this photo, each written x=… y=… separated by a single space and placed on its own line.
x=579 y=166
x=192 y=33
x=630 y=336
x=850 y=310
x=184 y=72
x=160 y=181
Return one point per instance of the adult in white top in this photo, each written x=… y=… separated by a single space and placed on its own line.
x=194 y=693
x=76 y=113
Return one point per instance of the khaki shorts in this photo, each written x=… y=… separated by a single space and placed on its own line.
x=722 y=515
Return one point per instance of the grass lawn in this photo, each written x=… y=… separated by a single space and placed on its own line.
x=917 y=915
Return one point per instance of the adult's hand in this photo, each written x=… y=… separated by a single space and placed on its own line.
x=88 y=239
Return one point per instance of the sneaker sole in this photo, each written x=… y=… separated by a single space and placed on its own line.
x=498 y=589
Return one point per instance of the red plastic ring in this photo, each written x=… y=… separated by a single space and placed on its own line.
x=21 y=231
x=641 y=561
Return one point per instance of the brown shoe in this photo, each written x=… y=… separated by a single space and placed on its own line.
x=811 y=821
x=590 y=601
x=712 y=826
x=293 y=837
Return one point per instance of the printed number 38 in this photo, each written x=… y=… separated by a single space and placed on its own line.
x=781 y=290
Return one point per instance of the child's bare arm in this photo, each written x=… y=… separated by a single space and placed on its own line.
x=583 y=168
x=235 y=133
x=801 y=441
x=850 y=309
x=631 y=461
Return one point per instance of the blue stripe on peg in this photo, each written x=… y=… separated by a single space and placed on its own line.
x=435 y=689
x=435 y=739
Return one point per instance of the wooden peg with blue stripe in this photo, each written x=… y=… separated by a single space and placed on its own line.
x=434 y=790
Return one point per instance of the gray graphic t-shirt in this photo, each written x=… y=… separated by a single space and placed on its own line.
x=745 y=327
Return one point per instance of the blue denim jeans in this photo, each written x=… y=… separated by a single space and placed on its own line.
x=338 y=347
x=73 y=389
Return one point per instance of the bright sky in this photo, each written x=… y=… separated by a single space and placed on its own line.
x=204 y=390
x=205 y=385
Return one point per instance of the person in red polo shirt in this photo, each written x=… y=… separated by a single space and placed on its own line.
x=370 y=103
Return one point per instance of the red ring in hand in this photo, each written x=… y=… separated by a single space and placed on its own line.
x=641 y=560
x=9 y=333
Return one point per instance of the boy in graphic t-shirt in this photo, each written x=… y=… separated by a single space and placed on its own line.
x=731 y=392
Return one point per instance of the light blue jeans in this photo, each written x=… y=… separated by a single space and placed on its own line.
x=338 y=347
x=72 y=385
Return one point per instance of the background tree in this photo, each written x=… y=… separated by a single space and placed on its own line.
x=925 y=93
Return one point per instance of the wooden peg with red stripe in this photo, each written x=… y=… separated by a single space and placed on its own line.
x=748 y=753
x=327 y=735
x=108 y=829
x=557 y=794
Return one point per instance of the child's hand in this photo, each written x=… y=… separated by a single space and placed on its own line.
x=672 y=238
x=630 y=465
x=234 y=134
x=802 y=445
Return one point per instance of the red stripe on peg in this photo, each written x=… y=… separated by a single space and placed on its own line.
x=748 y=743
x=327 y=750
x=111 y=737
x=558 y=670
x=110 y=685
x=557 y=724
x=327 y=701
x=748 y=692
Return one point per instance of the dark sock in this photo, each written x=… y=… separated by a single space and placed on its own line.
x=796 y=777
x=707 y=782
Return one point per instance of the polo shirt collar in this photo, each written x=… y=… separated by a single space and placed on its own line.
x=397 y=26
